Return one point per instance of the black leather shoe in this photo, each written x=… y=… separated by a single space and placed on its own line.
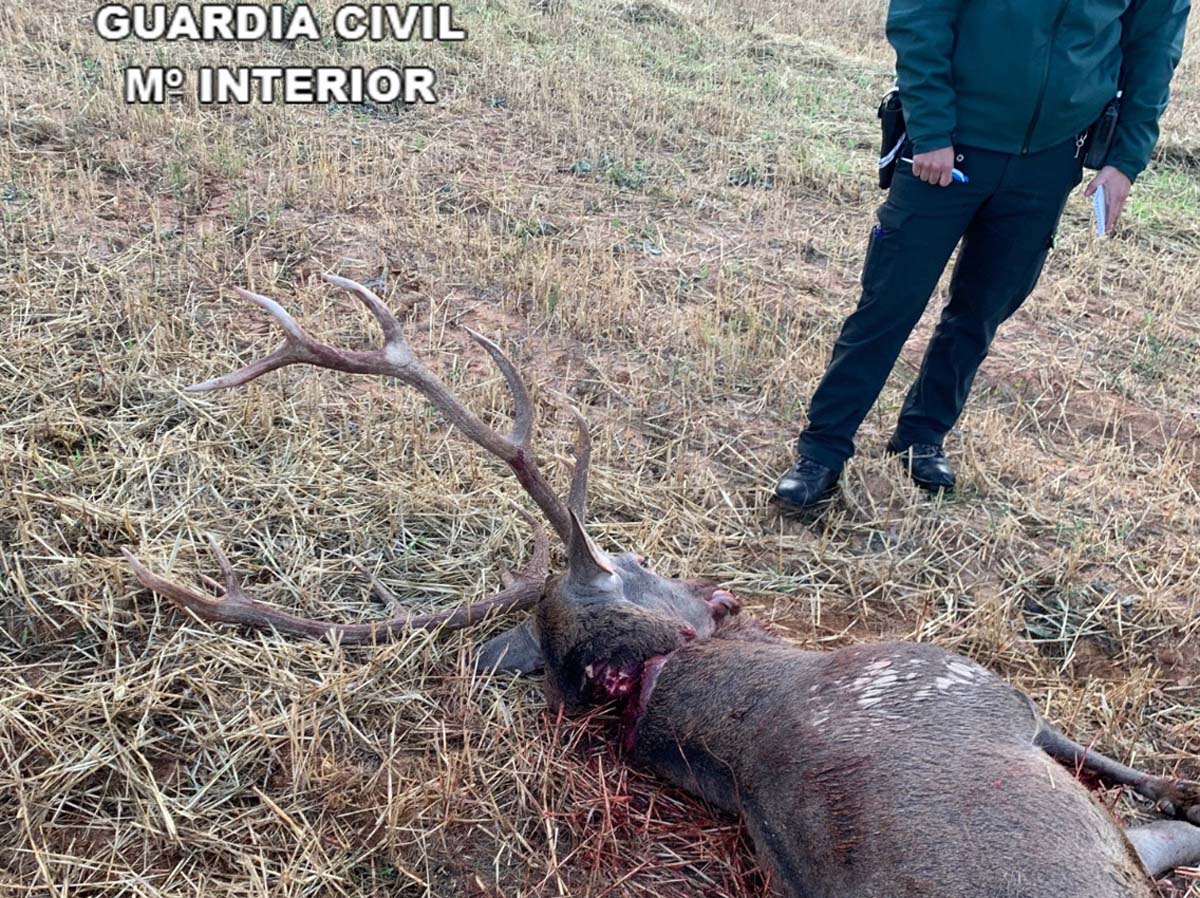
x=926 y=464
x=808 y=483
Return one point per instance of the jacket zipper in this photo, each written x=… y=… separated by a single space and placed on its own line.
x=1037 y=109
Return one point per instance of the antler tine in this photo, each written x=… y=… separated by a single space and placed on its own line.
x=577 y=497
x=233 y=586
x=181 y=596
x=236 y=606
x=522 y=405
x=296 y=348
x=393 y=331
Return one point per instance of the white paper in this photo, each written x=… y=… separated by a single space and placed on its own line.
x=1100 y=211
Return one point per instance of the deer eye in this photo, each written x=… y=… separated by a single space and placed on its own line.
x=644 y=561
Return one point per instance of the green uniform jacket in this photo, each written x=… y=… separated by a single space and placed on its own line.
x=1019 y=76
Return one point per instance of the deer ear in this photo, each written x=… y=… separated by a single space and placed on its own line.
x=513 y=651
x=585 y=560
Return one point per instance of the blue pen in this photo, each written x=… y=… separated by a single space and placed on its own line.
x=954 y=172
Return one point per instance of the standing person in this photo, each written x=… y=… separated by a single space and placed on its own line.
x=1002 y=91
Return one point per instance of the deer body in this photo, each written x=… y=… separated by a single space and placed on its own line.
x=880 y=771
x=877 y=771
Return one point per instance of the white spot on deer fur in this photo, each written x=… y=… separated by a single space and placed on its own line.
x=877 y=686
x=944 y=683
x=877 y=666
x=911 y=676
x=960 y=669
x=873 y=693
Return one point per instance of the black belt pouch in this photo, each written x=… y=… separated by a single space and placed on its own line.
x=1100 y=136
x=891 y=120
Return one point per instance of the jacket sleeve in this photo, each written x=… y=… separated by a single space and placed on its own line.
x=923 y=33
x=1151 y=44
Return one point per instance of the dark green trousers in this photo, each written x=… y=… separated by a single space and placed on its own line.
x=1005 y=217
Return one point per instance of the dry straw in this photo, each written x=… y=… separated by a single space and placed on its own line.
x=660 y=211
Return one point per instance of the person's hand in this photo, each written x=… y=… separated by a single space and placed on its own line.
x=935 y=168
x=1116 y=190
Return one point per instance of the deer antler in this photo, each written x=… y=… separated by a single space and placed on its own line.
x=236 y=606
x=395 y=358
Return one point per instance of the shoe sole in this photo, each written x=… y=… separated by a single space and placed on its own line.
x=934 y=487
x=820 y=502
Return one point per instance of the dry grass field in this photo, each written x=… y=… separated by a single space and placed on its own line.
x=660 y=210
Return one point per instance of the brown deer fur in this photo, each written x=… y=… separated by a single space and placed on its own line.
x=892 y=770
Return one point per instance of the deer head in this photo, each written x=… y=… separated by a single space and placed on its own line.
x=607 y=615
x=595 y=590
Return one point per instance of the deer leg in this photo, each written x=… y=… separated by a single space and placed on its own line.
x=1173 y=796
x=1166 y=844
x=771 y=848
